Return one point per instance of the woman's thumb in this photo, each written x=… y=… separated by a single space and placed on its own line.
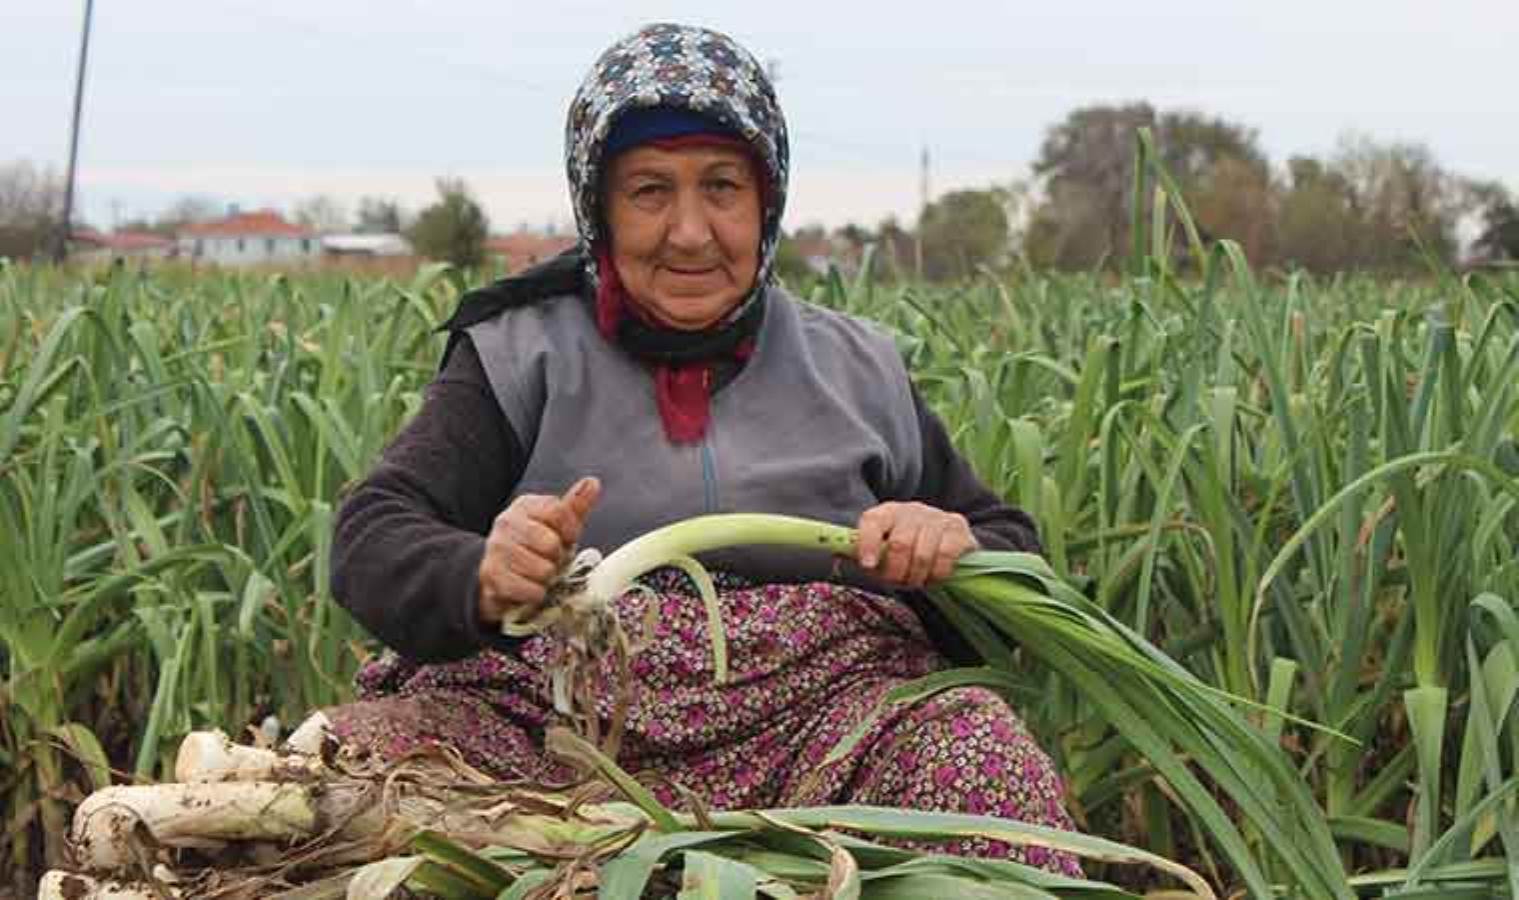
x=582 y=495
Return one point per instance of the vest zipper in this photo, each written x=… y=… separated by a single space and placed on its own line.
x=708 y=462
x=708 y=473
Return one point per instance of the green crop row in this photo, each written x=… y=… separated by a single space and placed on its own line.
x=1306 y=492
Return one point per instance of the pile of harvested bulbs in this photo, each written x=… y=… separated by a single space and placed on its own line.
x=302 y=822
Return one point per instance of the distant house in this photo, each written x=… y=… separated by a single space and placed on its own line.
x=525 y=248
x=365 y=246
x=251 y=238
x=821 y=253
x=89 y=245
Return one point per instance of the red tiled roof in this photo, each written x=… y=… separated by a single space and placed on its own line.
x=522 y=249
x=261 y=223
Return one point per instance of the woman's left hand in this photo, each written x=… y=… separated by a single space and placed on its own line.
x=912 y=544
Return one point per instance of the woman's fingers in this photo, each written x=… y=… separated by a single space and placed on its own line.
x=951 y=548
x=528 y=543
x=885 y=538
x=912 y=544
x=958 y=541
x=925 y=553
x=872 y=528
x=503 y=589
x=535 y=535
x=536 y=567
x=900 y=541
x=579 y=499
x=566 y=515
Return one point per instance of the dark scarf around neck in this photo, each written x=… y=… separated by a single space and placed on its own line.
x=684 y=363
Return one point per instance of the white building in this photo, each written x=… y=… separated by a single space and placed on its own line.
x=252 y=238
x=365 y=245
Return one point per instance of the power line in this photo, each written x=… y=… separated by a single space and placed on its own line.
x=922 y=209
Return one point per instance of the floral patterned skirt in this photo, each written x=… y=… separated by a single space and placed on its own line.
x=807 y=663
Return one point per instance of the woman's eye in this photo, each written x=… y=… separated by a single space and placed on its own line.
x=722 y=186
x=648 y=192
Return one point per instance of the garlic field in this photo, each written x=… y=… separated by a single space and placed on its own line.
x=1305 y=494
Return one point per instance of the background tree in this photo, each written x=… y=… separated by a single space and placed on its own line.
x=1318 y=225
x=962 y=231
x=380 y=215
x=1406 y=204
x=895 y=249
x=188 y=209
x=31 y=209
x=854 y=234
x=1192 y=145
x=1070 y=229
x=1236 y=199
x=1498 y=239
x=1224 y=176
x=321 y=212
x=454 y=228
x=1086 y=166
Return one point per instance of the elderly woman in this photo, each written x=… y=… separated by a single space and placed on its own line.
x=657 y=373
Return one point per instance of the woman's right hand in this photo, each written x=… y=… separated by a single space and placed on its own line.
x=528 y=543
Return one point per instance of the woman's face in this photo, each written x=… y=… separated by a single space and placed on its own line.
x=685 y=230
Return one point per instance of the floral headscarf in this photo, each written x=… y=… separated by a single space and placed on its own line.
x=684 y=67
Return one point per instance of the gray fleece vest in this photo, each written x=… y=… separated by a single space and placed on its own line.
x=819 y=423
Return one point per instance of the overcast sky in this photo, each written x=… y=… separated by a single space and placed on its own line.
x=263 y=102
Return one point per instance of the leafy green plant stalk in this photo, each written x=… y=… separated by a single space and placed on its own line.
x=1147 y=697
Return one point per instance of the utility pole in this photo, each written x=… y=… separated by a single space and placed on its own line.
x=922 y=209
x=61 y=252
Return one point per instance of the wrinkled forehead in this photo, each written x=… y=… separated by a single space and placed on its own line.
x=675 y=159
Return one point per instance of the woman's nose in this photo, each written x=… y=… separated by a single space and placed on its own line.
x=690 y=229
